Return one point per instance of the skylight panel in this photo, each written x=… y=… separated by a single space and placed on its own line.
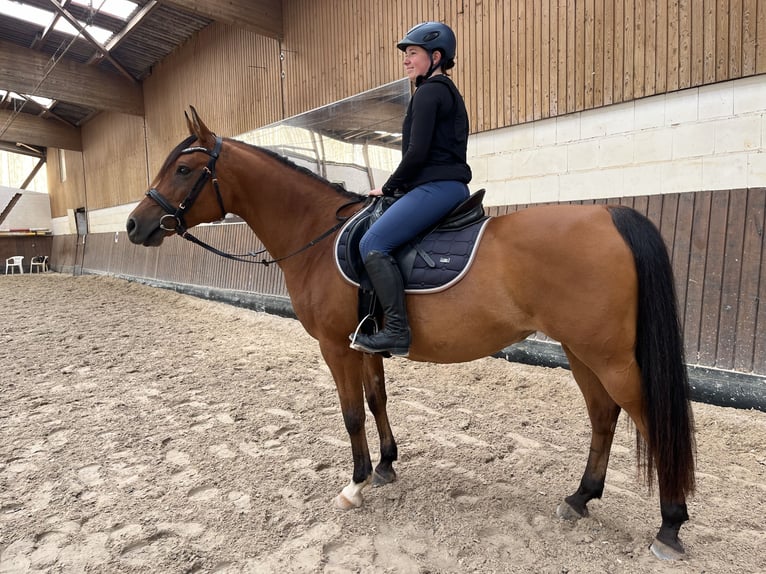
x=25 y=12
x=100 y=34
x=43 y=18
x=122 y=9
x=43 y=102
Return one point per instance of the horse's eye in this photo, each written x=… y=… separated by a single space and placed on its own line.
x=183 y=170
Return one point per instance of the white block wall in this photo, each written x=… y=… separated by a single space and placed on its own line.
x=705 y=138
x=108 y=220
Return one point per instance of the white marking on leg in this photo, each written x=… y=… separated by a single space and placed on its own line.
x=351 y=495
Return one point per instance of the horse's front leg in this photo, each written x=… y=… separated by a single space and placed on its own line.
x=346 y=367
x=375 y=389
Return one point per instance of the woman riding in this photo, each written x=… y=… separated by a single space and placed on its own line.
x=429 y=182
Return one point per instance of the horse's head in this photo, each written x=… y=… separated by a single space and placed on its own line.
x=185 y=191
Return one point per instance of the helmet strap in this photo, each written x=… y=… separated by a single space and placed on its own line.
x=432 y=68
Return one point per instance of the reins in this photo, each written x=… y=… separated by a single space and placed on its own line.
x=267 y=262
x=176 y=214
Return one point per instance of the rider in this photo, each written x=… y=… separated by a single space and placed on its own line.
x=430 y=181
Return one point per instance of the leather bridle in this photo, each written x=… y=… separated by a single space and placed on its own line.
x=176 y=214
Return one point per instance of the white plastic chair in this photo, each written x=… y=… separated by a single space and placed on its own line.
x=13 y=262
x=41 y=262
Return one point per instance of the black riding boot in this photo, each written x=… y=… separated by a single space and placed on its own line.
x=387 y=282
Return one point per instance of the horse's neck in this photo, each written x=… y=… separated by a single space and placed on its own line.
x=284 y=207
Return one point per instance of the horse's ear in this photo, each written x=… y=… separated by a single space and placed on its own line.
x=199 y=129
x=189 y=124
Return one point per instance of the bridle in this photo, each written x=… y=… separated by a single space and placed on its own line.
x=176 y=214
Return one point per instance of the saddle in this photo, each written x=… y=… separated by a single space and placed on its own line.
x=432 y=262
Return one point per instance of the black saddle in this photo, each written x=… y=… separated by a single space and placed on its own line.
x=433 y=261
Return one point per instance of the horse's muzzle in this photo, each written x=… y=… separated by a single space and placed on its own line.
x=142 y=234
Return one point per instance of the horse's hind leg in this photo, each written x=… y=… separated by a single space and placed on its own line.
x=625 y=386
x=603 y=412
x=375 y=389
x=666 y=545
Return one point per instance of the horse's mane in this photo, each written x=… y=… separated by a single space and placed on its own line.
x=300 y=169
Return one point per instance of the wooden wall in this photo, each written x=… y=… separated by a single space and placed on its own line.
x=518 y=61
x=231 y=76
x=177 y=260
x=68 y=194
x=524 y=60
x=114 y=156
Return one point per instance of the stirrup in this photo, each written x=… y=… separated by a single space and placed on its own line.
x=385 y=353
x=352 y=337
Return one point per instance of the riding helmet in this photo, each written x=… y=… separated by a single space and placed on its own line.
x=431 y=36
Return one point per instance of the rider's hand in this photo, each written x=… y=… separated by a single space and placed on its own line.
x=376 y=192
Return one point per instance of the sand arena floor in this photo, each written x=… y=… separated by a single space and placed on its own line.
x=148 y=431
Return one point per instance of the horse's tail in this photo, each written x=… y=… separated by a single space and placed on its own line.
x=670 y=445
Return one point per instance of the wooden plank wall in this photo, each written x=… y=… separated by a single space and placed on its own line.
x=180 y=261
x=231 y=76
x=716 y=240
x=524 y=60
x=70 y=192
x=114 y=159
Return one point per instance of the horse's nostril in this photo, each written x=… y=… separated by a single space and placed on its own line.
x=130 y=225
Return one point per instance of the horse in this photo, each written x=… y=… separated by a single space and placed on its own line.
x=595 y=278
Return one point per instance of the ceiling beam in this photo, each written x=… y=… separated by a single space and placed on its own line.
x=260 y=16
x=137 y=18
x=22 y=70
x=93 y=42
x=36 y=131
x=40 y=163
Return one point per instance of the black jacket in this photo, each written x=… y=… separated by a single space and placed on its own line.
x=434 y=138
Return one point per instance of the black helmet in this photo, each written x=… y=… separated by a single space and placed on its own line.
x=431 y=36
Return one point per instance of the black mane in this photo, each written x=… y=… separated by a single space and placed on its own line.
x=300 y=169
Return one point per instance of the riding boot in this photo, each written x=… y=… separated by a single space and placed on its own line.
x=387 y=282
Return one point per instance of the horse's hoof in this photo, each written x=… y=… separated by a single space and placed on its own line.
x=664 y=551
x=383 y=478
x=344 y=503
x=351 y=496
x=567 y=512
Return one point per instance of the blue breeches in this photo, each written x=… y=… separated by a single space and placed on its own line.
x=412 y=214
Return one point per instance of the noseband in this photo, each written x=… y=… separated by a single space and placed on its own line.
x=176 y=214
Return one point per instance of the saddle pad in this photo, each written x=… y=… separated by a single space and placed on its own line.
x=435 y=263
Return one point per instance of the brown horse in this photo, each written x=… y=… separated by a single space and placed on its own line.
x=595 y=278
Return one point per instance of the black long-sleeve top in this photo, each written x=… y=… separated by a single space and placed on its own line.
x=434 y=138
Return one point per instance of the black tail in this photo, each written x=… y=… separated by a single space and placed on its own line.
x=660 y=356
